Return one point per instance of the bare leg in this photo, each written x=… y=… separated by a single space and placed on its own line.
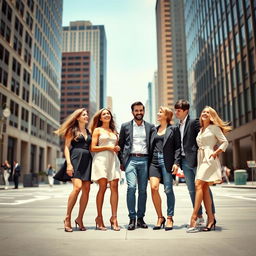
x=208 y=203
x=198 y=200
x=83 y=202
x=154 y=184
x=114 y=203
x=99 y=202
x=77 y=185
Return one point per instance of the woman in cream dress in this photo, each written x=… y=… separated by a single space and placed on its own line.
x=209 y=167
x=105 y=164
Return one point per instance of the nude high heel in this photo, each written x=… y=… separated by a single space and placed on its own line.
x=113 y=224
x=99 y=224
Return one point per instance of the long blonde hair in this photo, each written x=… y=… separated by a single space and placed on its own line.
x=168 y=113
x=70 y=126
x=215 y=119
x=96 y=122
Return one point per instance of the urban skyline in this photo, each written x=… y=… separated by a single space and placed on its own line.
x=218 y=55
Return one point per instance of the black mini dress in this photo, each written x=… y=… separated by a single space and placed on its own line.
x=81 y=160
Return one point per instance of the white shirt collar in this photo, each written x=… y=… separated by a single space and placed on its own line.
x=135 y=124
x=184 y=121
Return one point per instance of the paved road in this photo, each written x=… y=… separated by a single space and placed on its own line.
x=31 y=224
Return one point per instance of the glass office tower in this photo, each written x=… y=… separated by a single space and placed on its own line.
x=221 y=54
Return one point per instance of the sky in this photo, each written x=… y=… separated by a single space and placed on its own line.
x=131 y=46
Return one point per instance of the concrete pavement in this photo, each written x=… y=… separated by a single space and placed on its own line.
x=32 y=223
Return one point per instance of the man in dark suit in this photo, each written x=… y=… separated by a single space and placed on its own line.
x=134 y=141
x=16 y=174
x=189 y=129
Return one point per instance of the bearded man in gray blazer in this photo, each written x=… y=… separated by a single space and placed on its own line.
x=134 y=142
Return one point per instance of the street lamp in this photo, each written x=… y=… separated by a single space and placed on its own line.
x=5 y=114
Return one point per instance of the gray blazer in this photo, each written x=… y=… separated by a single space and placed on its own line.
x=126 y=140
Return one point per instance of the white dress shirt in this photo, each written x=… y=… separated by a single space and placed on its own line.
x=139 y=145
x=182 y=128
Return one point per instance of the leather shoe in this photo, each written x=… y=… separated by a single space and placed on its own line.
x=141 y=223
x=131 y=225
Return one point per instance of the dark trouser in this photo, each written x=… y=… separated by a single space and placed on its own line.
x=16 y=181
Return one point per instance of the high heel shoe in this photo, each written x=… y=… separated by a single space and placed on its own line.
x=100 y=224
x=81 y=227
x=193 y=226
x=169 y=227
x=113 y=224
x=161 y=224
x=66 y=228
x=213 y=225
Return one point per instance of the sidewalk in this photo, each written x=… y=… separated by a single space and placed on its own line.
x=249 y=185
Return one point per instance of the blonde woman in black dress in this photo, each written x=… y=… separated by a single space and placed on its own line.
x=77 y=167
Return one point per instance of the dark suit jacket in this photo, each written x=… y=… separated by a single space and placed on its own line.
x=171 y=146
x=17 y=170
x=126 y=140
x=191 y=130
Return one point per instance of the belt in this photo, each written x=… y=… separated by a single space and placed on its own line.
x=138 y=155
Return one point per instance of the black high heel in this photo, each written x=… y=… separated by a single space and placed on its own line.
x=81 y=227
x=171 y=227
x=161 y=225
x=213 y=225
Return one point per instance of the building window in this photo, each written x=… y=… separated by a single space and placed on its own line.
x=245 y=67
x=237 y=43
x=249 y=27
x=20 y=7
x=15 y=86
x=252 y=61
x=243 y=36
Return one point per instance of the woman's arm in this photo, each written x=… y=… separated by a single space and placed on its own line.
x=177 y=150
x=70 y=169
x=222 y=140
x=94 y=144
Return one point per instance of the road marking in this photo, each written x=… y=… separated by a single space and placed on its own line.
x=238 y=197
x=19 y=202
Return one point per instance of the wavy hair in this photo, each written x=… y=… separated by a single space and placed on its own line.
x=70 y=126
x=96 y=122
x=168 y=113
x=215 y=119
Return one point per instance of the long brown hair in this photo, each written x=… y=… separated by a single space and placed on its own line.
x=96 y=122
x=70 y=126
x=168 y=113
x=215 y=119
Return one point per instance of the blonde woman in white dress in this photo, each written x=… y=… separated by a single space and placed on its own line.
x=105 y=164
x=209 y=167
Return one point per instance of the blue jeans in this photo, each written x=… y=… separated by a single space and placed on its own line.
x=190 y=174
x=136 y=172
x=168 y=185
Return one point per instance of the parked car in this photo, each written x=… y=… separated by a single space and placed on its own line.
x=180 y=177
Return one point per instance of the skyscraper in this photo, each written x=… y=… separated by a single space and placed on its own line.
x=78 y=83
x=83 y=36
x=221 y=47
x=30 y=66
x=171 y=52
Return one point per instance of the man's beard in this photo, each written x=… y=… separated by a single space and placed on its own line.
x=138 y=117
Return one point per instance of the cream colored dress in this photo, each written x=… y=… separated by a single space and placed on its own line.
x=209 y=169
x=105 y=164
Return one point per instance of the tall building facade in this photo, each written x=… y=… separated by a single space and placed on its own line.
x=221 y=47
x=78 y=83
x=83 y=36
x=30 y=69
x=171 y=52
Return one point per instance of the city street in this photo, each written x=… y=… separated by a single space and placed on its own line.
x=32 y=224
